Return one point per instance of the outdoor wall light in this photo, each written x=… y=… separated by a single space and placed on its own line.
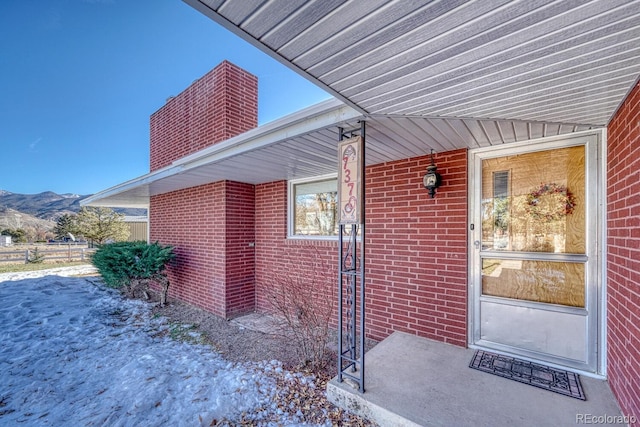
x=432 y=179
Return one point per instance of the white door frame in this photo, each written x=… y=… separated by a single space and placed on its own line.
x=595 y=187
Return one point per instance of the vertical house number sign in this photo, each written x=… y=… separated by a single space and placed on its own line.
x=350 y=181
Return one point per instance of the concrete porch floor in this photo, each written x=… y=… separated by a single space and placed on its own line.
x=412 y=381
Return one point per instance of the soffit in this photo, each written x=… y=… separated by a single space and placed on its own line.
x=438 y=75
x=304 y=145
x=563 y=61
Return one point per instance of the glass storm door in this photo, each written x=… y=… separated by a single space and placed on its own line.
x=534 y=272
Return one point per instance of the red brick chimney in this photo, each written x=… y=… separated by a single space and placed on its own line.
x=221 y=104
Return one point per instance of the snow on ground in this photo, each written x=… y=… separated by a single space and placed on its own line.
x=73 y=352
x=77 y=270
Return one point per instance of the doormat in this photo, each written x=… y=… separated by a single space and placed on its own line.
x=556 y=380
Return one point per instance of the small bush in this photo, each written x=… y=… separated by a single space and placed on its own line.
x=304 y=300
x=132 y=266
x=35 y=257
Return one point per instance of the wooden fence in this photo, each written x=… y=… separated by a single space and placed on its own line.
x=67 y=254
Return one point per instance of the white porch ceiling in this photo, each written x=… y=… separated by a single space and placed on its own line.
x=566 y=61
x=424 y=75
x=304 y=144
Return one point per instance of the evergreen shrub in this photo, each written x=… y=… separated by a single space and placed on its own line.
x=132 y=266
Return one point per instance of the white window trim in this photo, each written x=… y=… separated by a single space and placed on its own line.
x=291 y=202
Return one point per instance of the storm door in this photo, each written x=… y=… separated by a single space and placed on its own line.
x=534 y=264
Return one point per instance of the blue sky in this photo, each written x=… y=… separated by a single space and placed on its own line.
x=80 y=78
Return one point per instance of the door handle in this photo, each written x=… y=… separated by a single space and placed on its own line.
x=477 y=244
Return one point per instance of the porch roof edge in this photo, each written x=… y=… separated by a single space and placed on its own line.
x=136 y=192
x=231 y=27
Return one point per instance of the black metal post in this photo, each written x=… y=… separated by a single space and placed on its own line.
x=362 y=255
x=351 y=270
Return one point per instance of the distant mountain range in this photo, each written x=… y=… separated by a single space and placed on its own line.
x=48 y=205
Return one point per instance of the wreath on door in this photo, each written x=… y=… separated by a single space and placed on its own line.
x=550 y=202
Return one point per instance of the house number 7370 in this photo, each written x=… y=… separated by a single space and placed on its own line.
x=349 y=182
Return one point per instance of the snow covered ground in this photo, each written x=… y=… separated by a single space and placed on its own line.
x=74 y=353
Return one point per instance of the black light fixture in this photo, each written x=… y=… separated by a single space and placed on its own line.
x=432 y=179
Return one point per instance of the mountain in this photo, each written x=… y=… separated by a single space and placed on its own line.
x=49 y=205
x=12 y=219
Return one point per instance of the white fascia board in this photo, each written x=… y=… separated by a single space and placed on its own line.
x=131 y=185
x=121 y=203
x=316 y=117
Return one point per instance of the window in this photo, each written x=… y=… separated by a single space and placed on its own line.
x=313 y=207
x=501 y=204
x=497 y=228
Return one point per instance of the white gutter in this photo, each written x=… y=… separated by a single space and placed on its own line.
x=319 y=116
x=132 y=184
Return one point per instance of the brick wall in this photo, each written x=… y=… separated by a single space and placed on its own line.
x=416 y=248
x=212 y=225
x=221 y=104
x=239 y=248
x=197 y=230
x=275 y=255
x=623 y=247
x=212 y=229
